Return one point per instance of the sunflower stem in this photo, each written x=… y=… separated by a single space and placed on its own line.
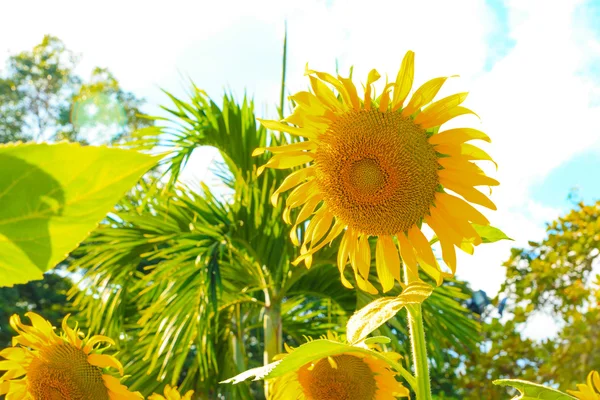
x=418 y=344
x=419 y=351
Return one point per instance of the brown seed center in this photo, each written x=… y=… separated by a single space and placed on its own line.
x=377 y=171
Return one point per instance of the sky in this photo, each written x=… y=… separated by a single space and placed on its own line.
x=532 y=68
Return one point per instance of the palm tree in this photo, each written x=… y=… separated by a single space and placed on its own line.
x=198 y=285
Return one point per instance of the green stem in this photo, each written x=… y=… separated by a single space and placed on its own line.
x=419 y=351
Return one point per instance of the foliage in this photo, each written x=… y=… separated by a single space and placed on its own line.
x=553 y=276
x=42 y=99
x=47 y=208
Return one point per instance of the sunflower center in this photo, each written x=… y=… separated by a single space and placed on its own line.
x=62 y=372
x=366 y=176
x=377 y=171
x=352 y=379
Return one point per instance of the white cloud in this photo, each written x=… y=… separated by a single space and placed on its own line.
x=535 y=103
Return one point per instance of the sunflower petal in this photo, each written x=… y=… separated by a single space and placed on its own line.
x=458 y=136
x=421 y=245
x=326 y=96
x=471 y=194
x=104 y=361
x=336 y=84
x=423 y=95
x=404 y=80
x=373 y=77
x=306 y=145
x=466 y=177
x=408 y=255
x=292 y=180
x=461 y=207
x=442 y=117
x=292 y=130
x=352 y=93
x=446 y=241
x=387 y=262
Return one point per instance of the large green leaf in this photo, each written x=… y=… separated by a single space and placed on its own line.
x=533 y=391
x=52 y=196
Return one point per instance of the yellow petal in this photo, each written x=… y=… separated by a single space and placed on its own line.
x=351 y=89
x=307 y=209
x=363 y=256
x=292 y=180
x=342 y=258
x=404 y=80
x=595 y=379
x=384 y=100
x=466 y=178
x=325 y=95
x=408 y=255
x=301 y=195
x=387 y=262
x=41 y=324
x=461 y=226
x=336 y=84
x=364 y=284
x=335 y=231
x=104 y=361
x=475 y=153
x=94 y=340
x=458 y=136
x=461 y=207
x=471 y=194
x=309 y=102
x=423 y=95
x=447 y=244
x=294 y=147
x=373 y=77
x=117 y=391
x=292 y=130
x=421 y=245
x=428 y=119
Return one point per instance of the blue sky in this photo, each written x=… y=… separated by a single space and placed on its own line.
x=532 y=68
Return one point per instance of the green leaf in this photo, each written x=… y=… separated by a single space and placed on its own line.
x=378 y=340
x=52 y=196
x=533 y=391
x=308 y=352
x=379 y=311
x=490 y=234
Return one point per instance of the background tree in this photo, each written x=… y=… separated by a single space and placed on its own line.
x=42 y=99
x=555 y=277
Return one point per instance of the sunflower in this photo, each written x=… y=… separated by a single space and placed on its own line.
x=171 y=393
x=349 y=376
x=377 y=167
x=590 y=391
x=42 y=365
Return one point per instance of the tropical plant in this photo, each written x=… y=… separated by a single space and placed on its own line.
x=199 y=284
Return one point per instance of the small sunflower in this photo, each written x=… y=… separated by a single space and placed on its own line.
x=590 y=391
x=378 y=167
x=42 y=365
x=171 y=393
x=349 y=376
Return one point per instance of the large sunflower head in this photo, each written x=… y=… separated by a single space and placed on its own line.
x=171 y=393
x=349 y=376
x=43 y=365
x=589 y=391
x=379 y=167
